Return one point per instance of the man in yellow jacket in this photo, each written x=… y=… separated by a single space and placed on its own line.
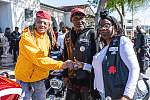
x=33 y=63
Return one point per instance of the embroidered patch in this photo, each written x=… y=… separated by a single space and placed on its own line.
x=112 y=69
x=39 y=13
x=83 y=40
x=113 y=49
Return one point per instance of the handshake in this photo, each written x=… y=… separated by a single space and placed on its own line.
x=72 y=64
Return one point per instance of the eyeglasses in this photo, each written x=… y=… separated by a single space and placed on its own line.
x=78 y=18
x=106 y=26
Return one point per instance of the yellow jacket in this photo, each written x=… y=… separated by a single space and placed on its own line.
x=33 y=63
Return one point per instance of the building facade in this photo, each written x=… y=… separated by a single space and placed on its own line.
x=131 y=27
x=90 y=21
x=18 y=13
x=21 y=13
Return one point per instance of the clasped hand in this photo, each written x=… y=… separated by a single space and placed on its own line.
x=70 y=64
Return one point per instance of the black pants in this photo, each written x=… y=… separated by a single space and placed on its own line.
x=10 y=50
x=141 y=60
x=15 y=53
x=78 y=96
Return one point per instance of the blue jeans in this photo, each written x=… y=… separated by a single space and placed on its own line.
x=36 y=90
x=102 y=95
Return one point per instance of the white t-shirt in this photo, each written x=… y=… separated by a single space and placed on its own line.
x=129 y=58
x=60 y=41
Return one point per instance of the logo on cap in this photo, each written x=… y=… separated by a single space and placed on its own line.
x=39 y=13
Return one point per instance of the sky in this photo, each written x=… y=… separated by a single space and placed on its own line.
x=142 y=15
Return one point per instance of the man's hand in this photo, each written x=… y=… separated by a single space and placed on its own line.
x=64 y=65
x=80 y=64
x=68 y=64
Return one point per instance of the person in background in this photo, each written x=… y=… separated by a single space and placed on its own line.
x=10 y=39
x=16 y=38
x=140 y=48
x=79 y=48
x=116 y=66
x=33 y=63
x=57 y=34
x=8 y=33
x=60 y=40
x=15 y=33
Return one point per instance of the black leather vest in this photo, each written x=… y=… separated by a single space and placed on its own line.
x=115 y=72
x=81 y=50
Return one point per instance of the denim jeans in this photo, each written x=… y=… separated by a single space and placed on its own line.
x=36 y=90
x=102 y=95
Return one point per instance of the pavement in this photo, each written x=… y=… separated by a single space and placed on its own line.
x=10 y=71
x=148 y=75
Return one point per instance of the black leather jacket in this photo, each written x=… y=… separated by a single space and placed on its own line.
x=82 y=46
x=141 y=41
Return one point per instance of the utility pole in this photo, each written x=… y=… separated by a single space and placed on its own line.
x=145 y=24
x=132 y=22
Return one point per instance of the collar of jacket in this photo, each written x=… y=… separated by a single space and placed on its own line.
x=75 y=35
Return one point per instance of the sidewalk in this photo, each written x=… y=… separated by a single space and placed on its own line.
x=9 y=70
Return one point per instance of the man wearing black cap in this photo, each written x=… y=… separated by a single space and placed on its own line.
x=79 y=48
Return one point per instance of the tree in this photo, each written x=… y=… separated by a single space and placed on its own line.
x=101 y=6
x=119 y=6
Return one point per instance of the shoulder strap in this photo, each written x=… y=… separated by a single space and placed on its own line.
x=68 y=43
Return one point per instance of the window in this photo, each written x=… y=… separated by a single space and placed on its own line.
x=129 y=21
x=28 y=15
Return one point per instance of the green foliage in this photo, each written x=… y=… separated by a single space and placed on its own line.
x=146 y=31
x=93 y=3
x=130 y=5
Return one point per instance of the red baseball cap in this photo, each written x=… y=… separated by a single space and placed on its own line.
x=77 y=10
x=43 y=14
